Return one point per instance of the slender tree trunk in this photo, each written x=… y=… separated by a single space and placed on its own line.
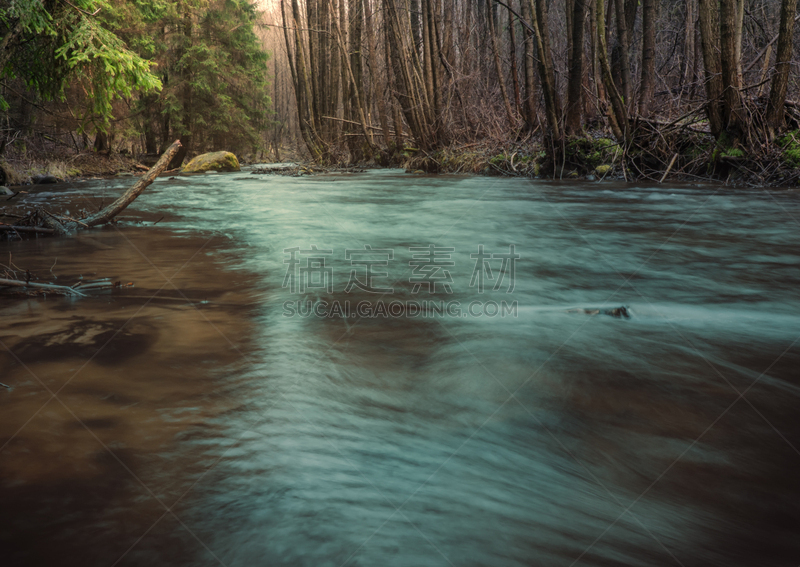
x=409 y=80
x=186 y=95
x=730 y=68
x=435 y=53
x=302 y=85
x=416 y=24
x=355 y=83
x=546 y=73
x=355 y=89
x=377 y=84
x=647 y=83
x=427 y=51
x=739 y=28
x=687 y=68
x=624 y=49
x=531 y=118
x=619 y=116
x=512 y=51
x=780 y=80
x=597 y=74
x=709 y=38
x=575 y=84
x=491 y=12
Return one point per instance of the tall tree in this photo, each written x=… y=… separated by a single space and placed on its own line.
x=531 y=118
x=539 y=22
x=618 y=117
x=49 y=45
x=709 y=36
x=575 y=84
x=731 y=77
x=780 y=80
x=491 y=17
x=647 y=83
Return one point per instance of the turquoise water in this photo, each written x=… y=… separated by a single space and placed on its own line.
x=212 y=415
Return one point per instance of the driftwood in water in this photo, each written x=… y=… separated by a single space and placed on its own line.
x=49 y=287
x=66 y=225
x=26 y=229
x=78 y=289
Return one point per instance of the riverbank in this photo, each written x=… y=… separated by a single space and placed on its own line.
x=679 y=156
x=57 y=168
x=657 y=155
x=595 y=157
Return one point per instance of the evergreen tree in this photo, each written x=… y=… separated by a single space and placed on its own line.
x=50 y=44
x=213 y=70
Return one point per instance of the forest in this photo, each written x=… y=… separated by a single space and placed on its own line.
x=628 y=88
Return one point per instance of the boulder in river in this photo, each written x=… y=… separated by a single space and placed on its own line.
x=213 y=161
x=621 y=312
x=42 y=178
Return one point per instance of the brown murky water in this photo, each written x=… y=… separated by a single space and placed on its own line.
x=187 y=420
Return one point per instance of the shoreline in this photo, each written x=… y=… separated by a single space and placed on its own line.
x=582 y=159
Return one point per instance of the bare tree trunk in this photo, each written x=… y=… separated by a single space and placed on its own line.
x=619 y=116
x=427 y=52
x=780 y=80
x=392 y=80
x=335 y=75
x=730 y=68
x=377 y=83
x=546 y=73
x=575 y=85
x=491 y=12
x=302 y=83
x=531 y=118
x=688 y=68
x=409 y=80
x=435 y=53
x=416 y=24
x=597 y=74
x=512 y=51
x=739 y=28
x=709 y=37
x=647 y=82
x=354 y=61
x=624 y=47
x=355 y=91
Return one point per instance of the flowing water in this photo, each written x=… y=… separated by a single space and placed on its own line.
x=211 y=414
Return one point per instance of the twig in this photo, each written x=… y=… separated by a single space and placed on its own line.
x=54 y=287
x=669 y=167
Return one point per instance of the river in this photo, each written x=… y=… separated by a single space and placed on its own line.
x=390 y=369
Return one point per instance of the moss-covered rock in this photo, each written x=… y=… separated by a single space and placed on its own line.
x=791 y=147
x=602 y=170
x=9 y=175
x=213 y=161
x=587 y=153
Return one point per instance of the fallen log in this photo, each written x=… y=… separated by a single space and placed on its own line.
x=70 y=226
